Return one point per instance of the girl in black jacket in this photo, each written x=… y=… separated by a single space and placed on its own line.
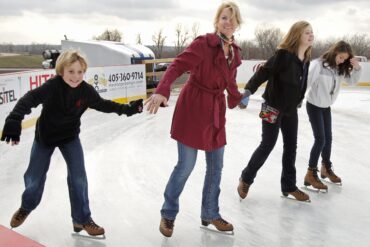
x=286 y=76
x=64 y=99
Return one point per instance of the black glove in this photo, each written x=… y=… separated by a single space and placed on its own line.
x=135 y=106
x=12 y=130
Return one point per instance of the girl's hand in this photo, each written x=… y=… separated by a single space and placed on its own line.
x=154 y=102
x=354 y=62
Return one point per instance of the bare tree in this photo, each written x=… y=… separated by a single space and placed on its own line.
x=360 y=44
x=158 y=39
x=249 y=49
x=138 y=39
x=268 y=38
x=182 y=35
x=321 y=46
x=111 y=35
x=195 y=30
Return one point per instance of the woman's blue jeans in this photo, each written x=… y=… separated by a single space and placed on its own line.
x=180 y=174
x=35 y=178
x=320 y=119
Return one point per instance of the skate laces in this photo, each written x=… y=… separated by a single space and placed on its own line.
x=169 y=223
x=22 y=213
x=331 y=171
x=92 y=224
x=300 y=192
x=222 y=221
x=245 y=187
x=315 y=176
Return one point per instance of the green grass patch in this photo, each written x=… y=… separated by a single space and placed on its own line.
x=21 y=61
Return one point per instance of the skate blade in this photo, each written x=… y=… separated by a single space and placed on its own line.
x=98 y=237
x=330 y=182
x=229 y=233
x=312 y=189
x=293 y=199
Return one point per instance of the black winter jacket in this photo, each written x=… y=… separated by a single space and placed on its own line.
x=283 y=73
x=62 y=108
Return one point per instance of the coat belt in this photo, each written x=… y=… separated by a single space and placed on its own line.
x=218 y=95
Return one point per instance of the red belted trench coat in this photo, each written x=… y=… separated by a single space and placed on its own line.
x=199 y=117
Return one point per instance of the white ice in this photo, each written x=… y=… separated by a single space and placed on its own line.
x=129 y=161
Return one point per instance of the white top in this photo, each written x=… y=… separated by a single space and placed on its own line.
x=324 y=83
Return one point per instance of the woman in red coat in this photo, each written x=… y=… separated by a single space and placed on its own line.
x=199 y=117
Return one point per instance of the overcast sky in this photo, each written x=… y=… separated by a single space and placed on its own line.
x=40 y=21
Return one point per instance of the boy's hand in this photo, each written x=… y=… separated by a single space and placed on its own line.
x=135 y=106
x=11 y=131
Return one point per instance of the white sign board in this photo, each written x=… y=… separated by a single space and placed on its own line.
x=122 y=83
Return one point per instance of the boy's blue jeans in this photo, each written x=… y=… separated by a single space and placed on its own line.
x=180 y=174
x=35 y=178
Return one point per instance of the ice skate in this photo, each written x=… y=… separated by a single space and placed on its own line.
x=327 y=172
x=91 y=228
x=166 y=227
x=243 y=189
x=312 y=179
x=221 y=225
x=19 y=217
x=297 y=195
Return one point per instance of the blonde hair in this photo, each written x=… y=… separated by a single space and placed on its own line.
x=235 y=13
x=291 y=40
x=67 y=58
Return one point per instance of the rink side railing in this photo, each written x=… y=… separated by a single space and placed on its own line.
x=245 y=71
x=119 y=83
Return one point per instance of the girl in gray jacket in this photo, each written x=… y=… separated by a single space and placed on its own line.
x=324 y=78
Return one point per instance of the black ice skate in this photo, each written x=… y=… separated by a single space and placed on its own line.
x=220 y=226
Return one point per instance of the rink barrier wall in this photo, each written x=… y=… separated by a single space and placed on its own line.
x=121 y=84
x=118 y=83
x=249 y=67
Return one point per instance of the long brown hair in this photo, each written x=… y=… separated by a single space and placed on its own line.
x=329 y=56
x=292 y=38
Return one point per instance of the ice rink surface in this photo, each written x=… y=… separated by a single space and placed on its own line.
x=129 y=160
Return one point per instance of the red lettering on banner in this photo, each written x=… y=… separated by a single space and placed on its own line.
x=38 y=80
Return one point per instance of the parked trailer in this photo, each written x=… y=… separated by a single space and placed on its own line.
x=108 y=53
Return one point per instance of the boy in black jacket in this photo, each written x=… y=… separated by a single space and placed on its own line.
x=64 y=99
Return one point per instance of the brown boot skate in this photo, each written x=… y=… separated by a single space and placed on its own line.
x=220 y=224
x=90 y=227
x=298 y=195
x=327 y=172
x=166 y=227
x=312 y=179
x=19 y=217
x=243 y=189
